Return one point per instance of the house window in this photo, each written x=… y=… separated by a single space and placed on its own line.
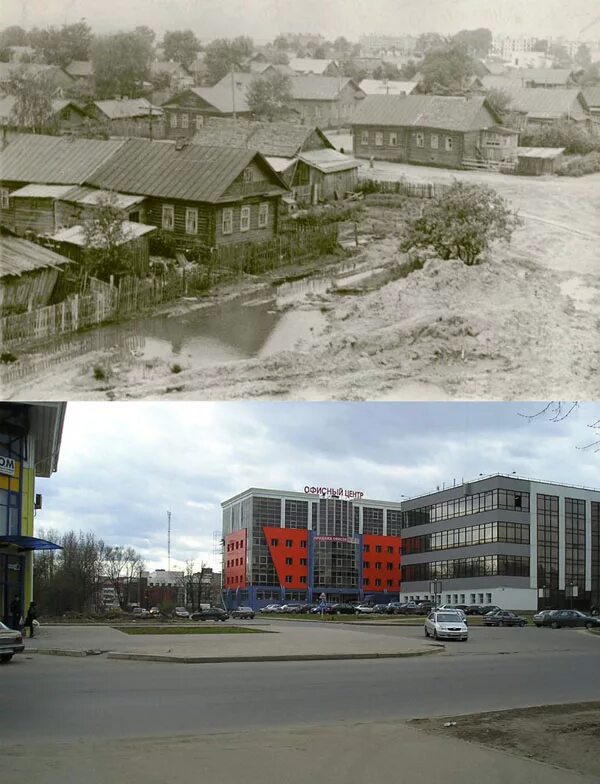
x=274 y=542
x=449 y=142
x=289 y=543
x=288 y=561
x=420 y=139
x=184 y=121
x=199 y=121
x=378 y=582
x=434 y=141
x=263 y=215
x=227 y=221
x=303 y=562
x=302 y=579
x=4 y=198
x=245 y=219
x=168 y=217
x=366 y=581
x=191 y=226
x=364 y=137
x=303 y=543
x=378 y=139
x=377 y=548
x=173 y=120
x=248 y=175
x=288 y=578
x=366 y=564
x=393 y=139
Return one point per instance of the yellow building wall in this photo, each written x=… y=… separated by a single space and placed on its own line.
x=24 y=479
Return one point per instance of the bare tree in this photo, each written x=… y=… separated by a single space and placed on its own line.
x=122 y=567
x=558 y=411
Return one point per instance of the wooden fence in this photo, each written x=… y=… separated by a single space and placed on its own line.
x=420 y=190
x=104 y=302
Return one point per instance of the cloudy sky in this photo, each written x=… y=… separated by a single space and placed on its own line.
x=264 y=19
x=122 y=465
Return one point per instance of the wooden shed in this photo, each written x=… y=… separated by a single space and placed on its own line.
x=539 y=160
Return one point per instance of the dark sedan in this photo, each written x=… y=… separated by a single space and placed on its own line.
x=341 y=609
x=210 y=614
x=569 y=618
x=504 y=618
x=11 y=642
x=242 y=612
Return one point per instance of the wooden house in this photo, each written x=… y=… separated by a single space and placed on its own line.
x=310 y=65
x=58 y=79
x=538 y=108
x=179 y=77
x=302 y=155
x=28 y=274
x=81 y=71
x=431 y=129
x=537 y=161
x=129 y=117
x=207 y=196
x=186 y=112
x=387 y=87
x=67 y=116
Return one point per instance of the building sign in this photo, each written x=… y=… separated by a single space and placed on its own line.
x=348 y=539
x=333 y=492
x=7 y=465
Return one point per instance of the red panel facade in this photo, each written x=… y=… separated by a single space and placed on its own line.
x=234 y=572
x=288 y=548
x=381 y=563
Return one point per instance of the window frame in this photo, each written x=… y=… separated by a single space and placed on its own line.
x=227 y=220
x=189 y=212
x=168 y=209
x=378 y=138
x=4 y=198
x=263 y=215
x=364 y=137
x=245 y=216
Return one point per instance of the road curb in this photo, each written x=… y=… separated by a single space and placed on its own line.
x=272 y=658
x=56 y=652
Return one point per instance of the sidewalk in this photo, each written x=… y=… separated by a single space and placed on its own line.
x=347 y=753
x=284 y=643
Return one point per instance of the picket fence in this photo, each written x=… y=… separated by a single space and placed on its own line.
x=419 y=190
x=131 y=296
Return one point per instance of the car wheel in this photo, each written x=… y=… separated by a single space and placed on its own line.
x=435 y=634
x=6 y=657
x=426 y=632
x=501 y=623
x=555 y=625
x=588 y=625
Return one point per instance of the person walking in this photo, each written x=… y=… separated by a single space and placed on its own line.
x=15 y=612
x=30 y=618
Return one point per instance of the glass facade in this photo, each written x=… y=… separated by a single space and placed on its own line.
x=482 y=566
x=296 y=514
x=336 y=518
x=394 y=522
x=372 y=521
x=547 y=547
x=265 y=512
x=514 y=533
x=336 y=565
x=467 y=505
x=575 y=544
x=595 y=598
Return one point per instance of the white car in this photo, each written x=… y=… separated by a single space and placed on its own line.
x=181 y=612
x=457 y=610
x=446 y=625
x=364 y=609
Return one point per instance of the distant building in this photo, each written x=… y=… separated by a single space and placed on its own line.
x=506 y=46
x=398 y=45
x=307 y=65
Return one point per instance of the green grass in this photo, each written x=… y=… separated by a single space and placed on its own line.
x=188 y=630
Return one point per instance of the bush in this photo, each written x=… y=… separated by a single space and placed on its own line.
x=175 y=368
x=460 y=224
x=163 y=243
x=575 y=140
x=99 y=373
x=578 y=167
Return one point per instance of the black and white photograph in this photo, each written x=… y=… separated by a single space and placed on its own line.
x=300 y=391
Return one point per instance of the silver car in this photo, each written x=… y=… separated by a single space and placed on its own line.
x=11 y=642
x=446 y=625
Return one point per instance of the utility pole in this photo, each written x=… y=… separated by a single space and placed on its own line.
x=168 y=540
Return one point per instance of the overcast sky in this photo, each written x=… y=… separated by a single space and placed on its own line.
x=264 y=19
x=122 y=465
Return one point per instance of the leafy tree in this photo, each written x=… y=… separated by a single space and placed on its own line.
x=342 y=47
x=182 y=46
x=477 y=42
x=560 y=56
x=33 y=104
x=541 y=45
x=5 y=54
x=583 y=58
x=270 y=96
x=591 y=75
x=281 y=43
x=409 y=70
x=106 y=248
x=62 y=46
x=121 y=63
x=446 y=71
x=499 y=100
x=387 y=71
x=223 y=54
x=428 y=41
x=351 y=69
x=146 y=32
x=14 y=35
x=461 y=223
x=321 y=52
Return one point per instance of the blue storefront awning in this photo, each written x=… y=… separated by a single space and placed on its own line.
x=29 y=543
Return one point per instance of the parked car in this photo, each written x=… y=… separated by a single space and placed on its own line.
x=210 y=614
x=364 y=609
x=11 y=642
x=539 y=617
x=319 y=609
x=446 y=625
x=504 y=618
x=242 y=612
x=141 y=612
x=180 y=612
x=342 y=608
x=154 y=611
x=570 y=618
x=424 y=608
x=271 y=608
x=292 y=607
x=490 y=608
x=474 y=609
x=393 y=608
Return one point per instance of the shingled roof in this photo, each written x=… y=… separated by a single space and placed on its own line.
x=426 y=111
x=54 y=160
x=194 y=173
x=127 y=108
x=279 y=139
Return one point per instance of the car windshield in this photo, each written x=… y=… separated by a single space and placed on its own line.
x=448 y=618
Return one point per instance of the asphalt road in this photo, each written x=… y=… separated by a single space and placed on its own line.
x=56 y=698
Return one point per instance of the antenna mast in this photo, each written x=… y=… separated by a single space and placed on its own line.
x=168 y=540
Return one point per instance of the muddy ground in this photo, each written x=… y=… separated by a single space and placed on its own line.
x=524 y=324
x=567 y=736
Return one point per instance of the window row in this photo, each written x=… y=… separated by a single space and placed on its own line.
x=235 y=578
x=435 y=140
x=182 y=120
x=288 y=543
x=378 y=565
x=379 y=548
x=466 y=505
x=378 y=583
x=191 y=218
x=514 y=533
x=235 y=545
x=483 y=566
x=234 y=562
